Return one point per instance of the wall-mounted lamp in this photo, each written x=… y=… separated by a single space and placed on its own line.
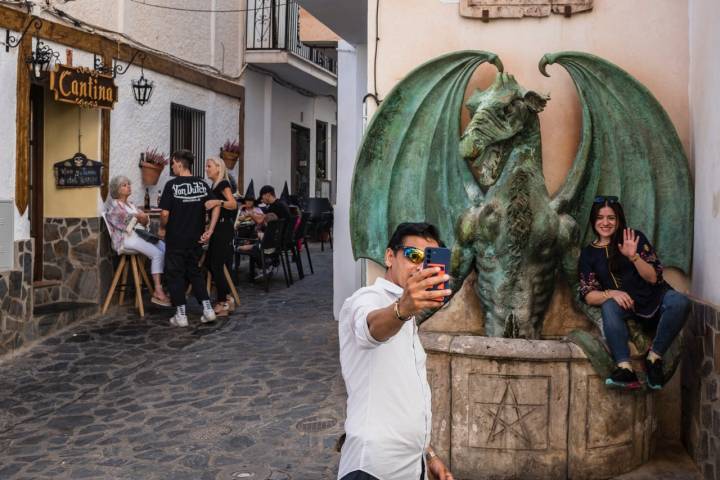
x=41 y=59
x=117 y=69
x=142 y=88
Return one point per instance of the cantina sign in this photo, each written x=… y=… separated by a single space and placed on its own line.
x=83 y=86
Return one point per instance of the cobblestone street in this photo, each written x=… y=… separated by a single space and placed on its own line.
x=258 y=395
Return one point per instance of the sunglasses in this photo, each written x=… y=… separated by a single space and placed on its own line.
x=414 y=254
x=605 y=199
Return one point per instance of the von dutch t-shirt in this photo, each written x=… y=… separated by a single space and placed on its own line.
x=184 y=198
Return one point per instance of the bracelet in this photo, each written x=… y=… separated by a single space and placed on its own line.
x=634 y=258
x=607 y=295
x=397 y=313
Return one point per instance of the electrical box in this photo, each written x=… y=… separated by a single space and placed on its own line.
x=7 y=214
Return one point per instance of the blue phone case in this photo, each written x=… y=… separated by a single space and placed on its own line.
x=437 y=257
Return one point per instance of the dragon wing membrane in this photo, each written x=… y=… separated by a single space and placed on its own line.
x=630 y=149
x=404 y=174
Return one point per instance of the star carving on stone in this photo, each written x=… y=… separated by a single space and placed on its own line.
x=509 y=417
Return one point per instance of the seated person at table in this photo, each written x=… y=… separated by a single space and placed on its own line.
x=274 y=204
x=249 y=213
x=120 y=212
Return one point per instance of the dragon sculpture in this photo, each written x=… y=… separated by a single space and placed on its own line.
x=484 y=187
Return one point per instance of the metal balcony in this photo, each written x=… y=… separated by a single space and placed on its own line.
x=273 y=43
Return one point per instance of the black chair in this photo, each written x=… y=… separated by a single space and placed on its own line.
x=325 y=229
x=288 y=246
x=301 y=234
x=321 y=219
x=267 y=249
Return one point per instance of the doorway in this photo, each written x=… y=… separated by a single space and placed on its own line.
x=300 y=161
x=35 y=178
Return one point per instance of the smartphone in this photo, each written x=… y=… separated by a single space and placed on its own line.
x=437 y=257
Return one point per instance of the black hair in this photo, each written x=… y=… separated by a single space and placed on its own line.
x=408 y=229
x=267 y=189
x=185 y=157
x=615 y=258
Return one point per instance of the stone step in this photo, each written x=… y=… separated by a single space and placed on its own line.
x=46 y=291
x=54 y=316
x=46 y=319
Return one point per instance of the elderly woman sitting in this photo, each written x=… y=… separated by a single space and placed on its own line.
x=120 y=214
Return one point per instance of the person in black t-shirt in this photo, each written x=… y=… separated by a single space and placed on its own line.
x=220 y=251
x=274 y=205
x=182 y=223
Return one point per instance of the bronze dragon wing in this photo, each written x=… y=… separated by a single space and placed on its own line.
x=630 y=149
x=409 y=168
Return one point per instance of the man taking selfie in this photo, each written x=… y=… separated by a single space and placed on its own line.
x=383 y=364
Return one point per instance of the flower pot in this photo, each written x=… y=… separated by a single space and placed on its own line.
x=230 y=159
x=150 y=172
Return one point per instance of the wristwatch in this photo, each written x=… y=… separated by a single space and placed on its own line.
x=222 y=203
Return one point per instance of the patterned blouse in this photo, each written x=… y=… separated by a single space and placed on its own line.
x=595 y=274
x=118 y=216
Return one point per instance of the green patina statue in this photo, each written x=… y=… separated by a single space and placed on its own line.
x=484 y=188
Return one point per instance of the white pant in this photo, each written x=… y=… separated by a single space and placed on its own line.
x=155 y=252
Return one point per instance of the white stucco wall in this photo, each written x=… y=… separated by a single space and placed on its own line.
x=198 y=37
x=352 y=87
x=704 y=17
x=8 y=107
x=135 y=128
x=270 y=111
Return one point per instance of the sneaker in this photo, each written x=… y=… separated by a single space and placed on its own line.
x=208 y=315
x=654 y=372
x=624 y=379
x=179 y=320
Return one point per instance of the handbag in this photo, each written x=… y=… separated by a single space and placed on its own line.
x=146 y=235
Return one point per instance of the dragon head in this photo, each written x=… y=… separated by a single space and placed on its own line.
x=497 y=114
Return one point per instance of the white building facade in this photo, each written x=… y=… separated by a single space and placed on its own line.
x=281 y=109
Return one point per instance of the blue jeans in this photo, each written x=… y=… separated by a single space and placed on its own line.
x=672 y=313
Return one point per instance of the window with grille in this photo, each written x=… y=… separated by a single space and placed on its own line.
x=187 y=130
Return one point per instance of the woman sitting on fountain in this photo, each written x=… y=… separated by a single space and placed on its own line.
x=621 y=273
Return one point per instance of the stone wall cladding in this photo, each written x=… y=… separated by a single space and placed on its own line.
x=16 y=302
x=700 y=389
x=76 y=252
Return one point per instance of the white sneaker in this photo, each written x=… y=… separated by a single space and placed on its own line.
x=179 y=320
x=207 y=316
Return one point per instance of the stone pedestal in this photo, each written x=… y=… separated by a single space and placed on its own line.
x=530 y=409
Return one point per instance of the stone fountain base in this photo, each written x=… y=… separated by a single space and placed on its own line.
x=530 y=409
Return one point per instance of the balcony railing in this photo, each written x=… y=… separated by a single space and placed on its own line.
x=275 y=25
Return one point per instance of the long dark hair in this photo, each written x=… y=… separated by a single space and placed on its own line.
x=615 y=258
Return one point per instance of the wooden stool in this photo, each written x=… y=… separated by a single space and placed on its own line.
x=208 y=284
x=136 y=262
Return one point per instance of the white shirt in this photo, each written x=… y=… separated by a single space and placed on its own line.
x=388 y=409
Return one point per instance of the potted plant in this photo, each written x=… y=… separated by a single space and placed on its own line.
x=230 y=152
x=152 y=163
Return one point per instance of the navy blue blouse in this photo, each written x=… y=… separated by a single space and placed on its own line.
x=595 y=274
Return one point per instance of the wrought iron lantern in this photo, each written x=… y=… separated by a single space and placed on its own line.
x=142 y=89
x=41 y=59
